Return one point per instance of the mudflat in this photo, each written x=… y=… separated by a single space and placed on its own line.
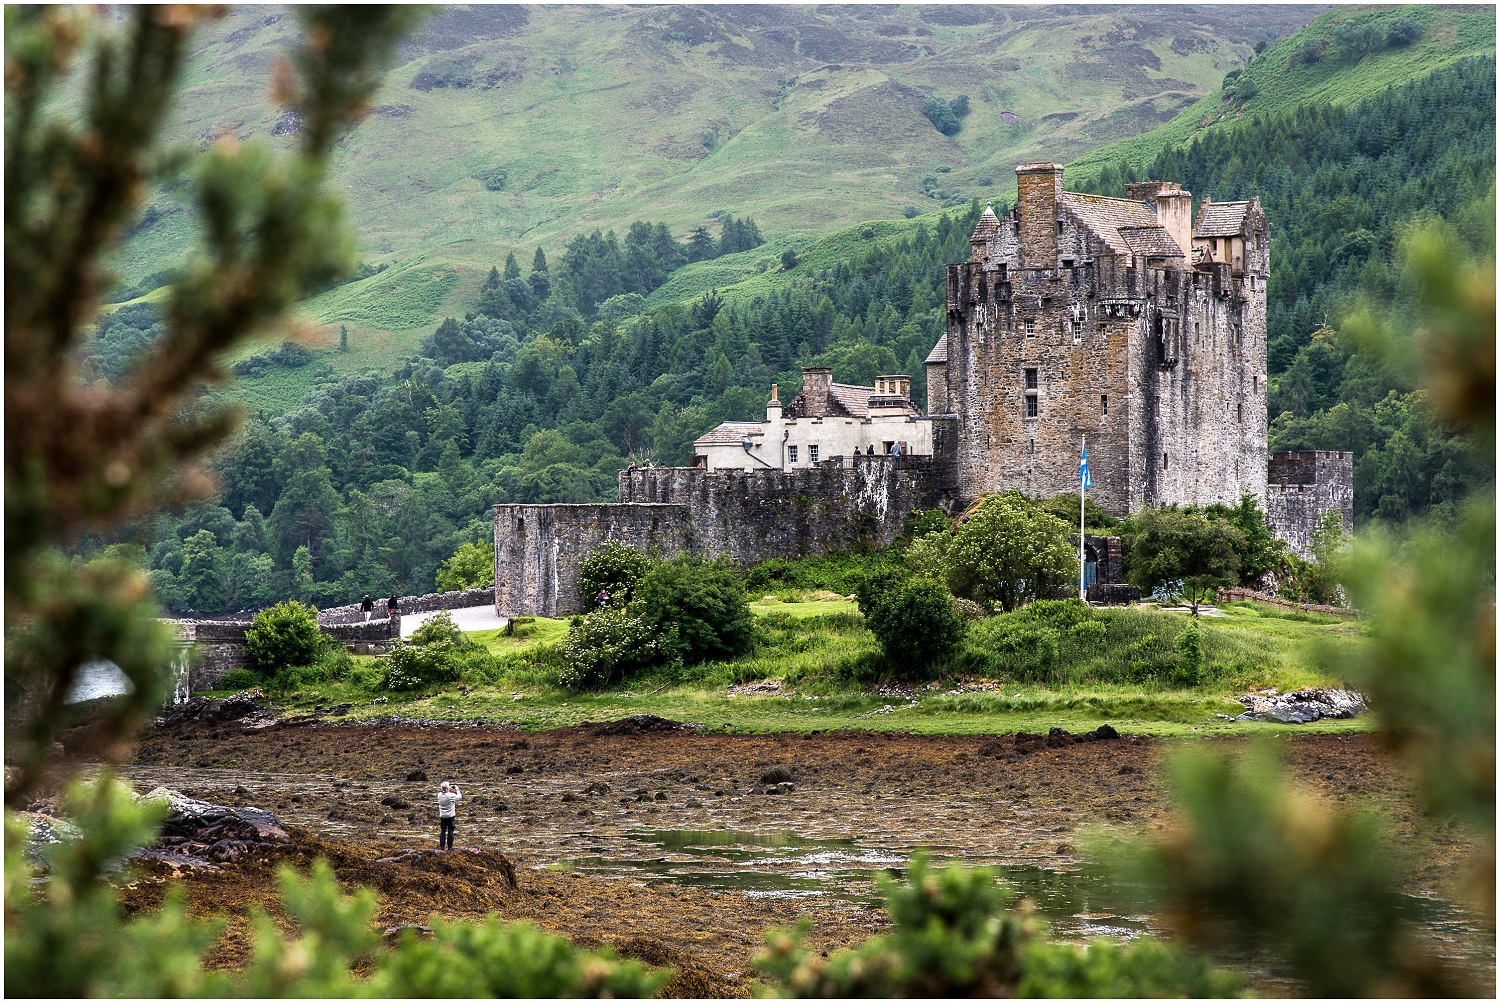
x=684 y=846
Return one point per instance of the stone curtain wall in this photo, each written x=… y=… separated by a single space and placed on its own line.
x=219 y=645
x=745 y=516
x=1301 y=487
x=539 y=548
x=410 y=604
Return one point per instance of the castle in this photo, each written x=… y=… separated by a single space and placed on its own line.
x=1122 y=321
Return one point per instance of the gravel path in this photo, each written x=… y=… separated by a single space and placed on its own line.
x=469 y=618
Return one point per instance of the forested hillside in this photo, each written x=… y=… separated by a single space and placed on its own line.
x=559 y=372
x=507 y=126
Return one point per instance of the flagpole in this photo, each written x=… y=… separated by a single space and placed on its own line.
x=1083 y=592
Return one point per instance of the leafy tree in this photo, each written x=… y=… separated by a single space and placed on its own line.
x=914 y=620
x=472 y=566
x=1402 y=32
x=199 y=580
x=284 y=636
x=612 y=569
x=1357 y=39
x=1181 y=550
x=700 y=603
x=1009 y=552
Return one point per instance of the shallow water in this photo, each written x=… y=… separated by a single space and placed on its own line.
x=789 y=865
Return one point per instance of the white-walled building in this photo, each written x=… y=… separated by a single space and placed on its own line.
x=827 y=420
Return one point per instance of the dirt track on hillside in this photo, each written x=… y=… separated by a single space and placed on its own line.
x=984 y=799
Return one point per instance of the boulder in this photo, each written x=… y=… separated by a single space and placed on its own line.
x=199 y=820
x=1302 y=706
x=416 y=776
x=776 y=775
x=244 y=704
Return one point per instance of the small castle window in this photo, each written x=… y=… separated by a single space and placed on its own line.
x=1031 y=383
x=1059 y=228
x=520 y=525
x=1030 y=446
x=791 y=454
x=1030 y=375
x=1028 y=328
x=1164 y=461
x=1031 y=406
x=1240 y=406
x=1104 y=405
x=812 y=454
x=1003 y=268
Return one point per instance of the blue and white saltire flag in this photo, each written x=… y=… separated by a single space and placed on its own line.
x=1084 y=480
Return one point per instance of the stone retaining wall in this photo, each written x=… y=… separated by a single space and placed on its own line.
x=1239 y=595
x=411 y=604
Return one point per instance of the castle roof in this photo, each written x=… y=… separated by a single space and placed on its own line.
x=1222 y=219
x=729 y=433
x=845 y=400
x=1152 y=241
x=939 y=351
x=988 y=225
x=1105 y=217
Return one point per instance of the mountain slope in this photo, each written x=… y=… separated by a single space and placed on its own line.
x=1313 y=66
x=509 y=127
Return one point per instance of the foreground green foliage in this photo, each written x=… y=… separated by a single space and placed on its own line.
x=959 y=933
x=609 y=574
x=67 y=936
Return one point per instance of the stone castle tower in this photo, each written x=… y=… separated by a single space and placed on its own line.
x=1119 y=320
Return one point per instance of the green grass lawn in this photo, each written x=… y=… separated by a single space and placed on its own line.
x=830 y=677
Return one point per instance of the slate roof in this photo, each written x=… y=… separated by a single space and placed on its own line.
x=939 y=351
x=1105 y=216
x=1222 y=219
x=988 y=225
x=845 y=400
x=730 y=433
x=1152 y=241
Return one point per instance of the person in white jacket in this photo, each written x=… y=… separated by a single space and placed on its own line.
x=448 y=798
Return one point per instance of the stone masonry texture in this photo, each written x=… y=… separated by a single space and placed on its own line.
x=1124 y=322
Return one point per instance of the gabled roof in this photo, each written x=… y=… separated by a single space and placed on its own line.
x=988 y=225
x=1105 y=216
x=845 y=400
x=730 y=433
x=939 y=351
x=1151 y=241
x=1222 y=219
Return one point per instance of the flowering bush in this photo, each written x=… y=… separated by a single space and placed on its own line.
x=609 y=644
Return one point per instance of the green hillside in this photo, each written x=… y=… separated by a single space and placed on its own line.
x=508 y=127
x=1317 y=65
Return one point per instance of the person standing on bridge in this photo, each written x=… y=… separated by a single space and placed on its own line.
x=390 y=607
x=448 y=798
x=367 y=607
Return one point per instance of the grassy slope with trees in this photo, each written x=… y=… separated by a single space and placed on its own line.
x=508 y=127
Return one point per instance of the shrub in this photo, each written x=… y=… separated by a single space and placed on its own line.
x=1189 y=645
x=438 y=652
x=1403 y=31
x=239 y=679
x=911 y=212
x=283 y=636
x=699 y=603
x=614 y=569
x=920 y=523
x=914 y=620
x=608 y=645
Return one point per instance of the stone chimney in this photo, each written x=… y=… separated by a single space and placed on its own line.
x=1174 y=209
x=773 y=406
x=816 y=381
x=893 y=386
x=1038 y=190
